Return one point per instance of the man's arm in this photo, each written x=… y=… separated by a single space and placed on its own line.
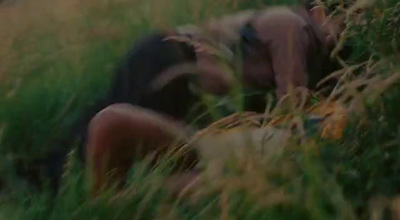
x=289 y=56
x=287 y=41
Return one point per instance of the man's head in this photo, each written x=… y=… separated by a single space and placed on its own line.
x=210 y=73
x=226 y=29
x=331 y=25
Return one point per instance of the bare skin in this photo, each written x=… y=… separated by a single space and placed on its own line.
x=121 y=133
x=290 y=43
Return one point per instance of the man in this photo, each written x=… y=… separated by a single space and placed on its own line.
x=280 y=53
x=281 y=47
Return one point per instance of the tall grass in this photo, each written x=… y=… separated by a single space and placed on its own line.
x=57 y=56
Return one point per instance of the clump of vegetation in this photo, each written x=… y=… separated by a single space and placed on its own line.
x=56 y=58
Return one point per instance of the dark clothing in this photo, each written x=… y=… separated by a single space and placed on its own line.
x=280 y=46
x=287 y=41
x=286 y=44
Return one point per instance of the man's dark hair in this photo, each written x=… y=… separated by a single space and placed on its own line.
x=309 y=4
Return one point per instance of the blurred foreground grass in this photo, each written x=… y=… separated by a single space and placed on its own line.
x=57 y=56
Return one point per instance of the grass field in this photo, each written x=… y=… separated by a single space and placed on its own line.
x=57 y=56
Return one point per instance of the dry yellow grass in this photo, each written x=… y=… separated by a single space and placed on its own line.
x=34 y=32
